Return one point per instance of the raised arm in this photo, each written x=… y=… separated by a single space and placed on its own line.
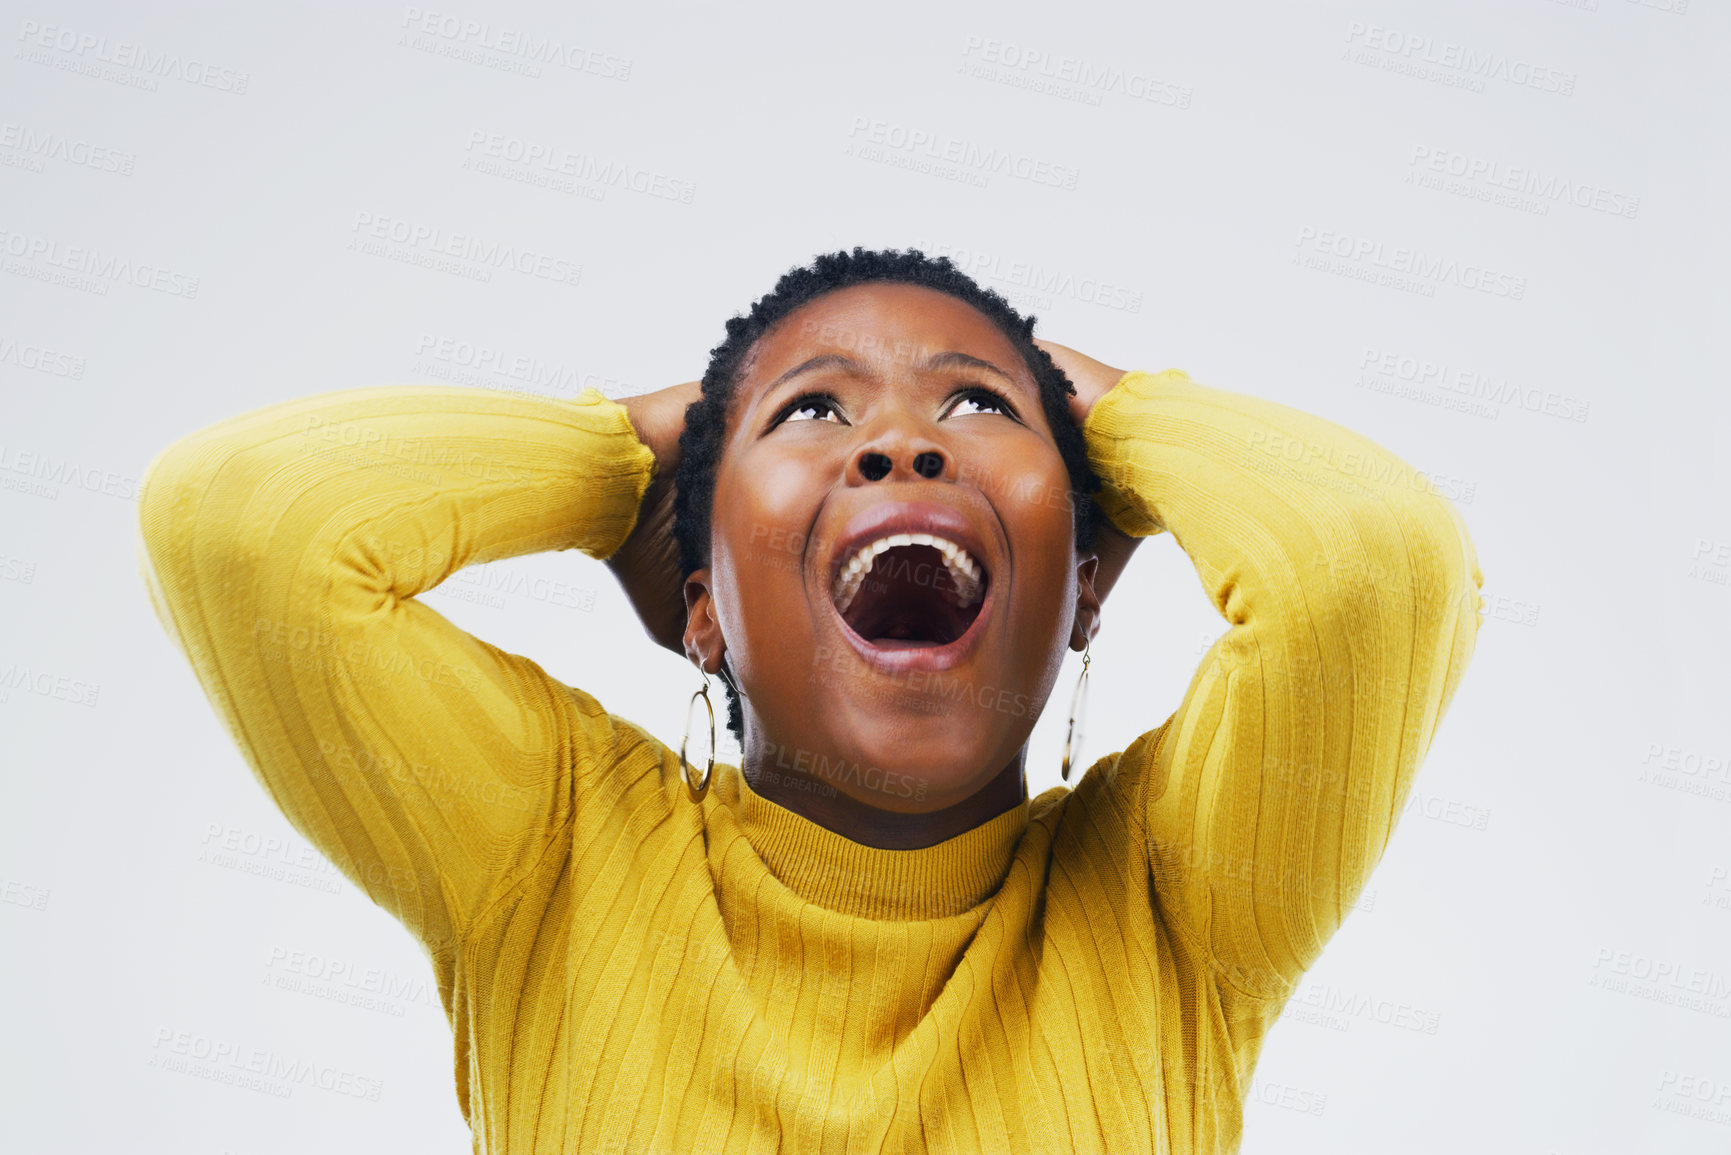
x=284 y=549
x=1351 y=589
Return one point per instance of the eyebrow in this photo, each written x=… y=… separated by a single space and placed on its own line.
x=950 y=359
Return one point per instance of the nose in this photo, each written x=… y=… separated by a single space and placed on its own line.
x=898 y=449
x=875 y=466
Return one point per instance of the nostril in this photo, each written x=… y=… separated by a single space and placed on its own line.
x=928 y=464
x=874 y=466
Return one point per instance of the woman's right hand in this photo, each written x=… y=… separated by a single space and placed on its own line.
x=647 y=563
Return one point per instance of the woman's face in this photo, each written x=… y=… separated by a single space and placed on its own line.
x=911 y=683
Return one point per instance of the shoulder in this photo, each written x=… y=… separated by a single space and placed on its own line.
x=1106 y=804
x=616 y=761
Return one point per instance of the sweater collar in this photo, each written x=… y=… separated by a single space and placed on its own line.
x=835 y=872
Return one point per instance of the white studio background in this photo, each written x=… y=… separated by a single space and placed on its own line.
x=193 y=199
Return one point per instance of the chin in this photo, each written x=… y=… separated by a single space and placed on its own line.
x=916 y=759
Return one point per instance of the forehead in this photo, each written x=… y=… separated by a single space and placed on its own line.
x=886 y=326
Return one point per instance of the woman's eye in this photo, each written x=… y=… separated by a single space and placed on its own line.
x=988 y=401
x=813 y=404
x=823 y=407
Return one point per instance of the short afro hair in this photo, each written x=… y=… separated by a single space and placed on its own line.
x=701 y=443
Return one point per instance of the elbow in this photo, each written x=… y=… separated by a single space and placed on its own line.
x=1442 y=570
x=191 y=507
x=166 y=493
x=1410 y=564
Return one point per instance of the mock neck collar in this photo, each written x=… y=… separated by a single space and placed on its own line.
x=833 y=871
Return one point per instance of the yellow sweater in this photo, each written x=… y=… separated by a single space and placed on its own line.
x=626 y=971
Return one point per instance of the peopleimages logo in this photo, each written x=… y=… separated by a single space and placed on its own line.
x=494 y=153
x=448 y=34
x=1495 y=177
x=1069 y=77
x=983 y=265
x=37 y=146
x=436 y=247
x=1405 y=262
x=47 y=684
x=254 y=1068
x=90 y=50
x=40 y=359
x=103 y=268
x=54 y=470
x=1662 y=980
x=872 y=139
x=1467 y=63
x=1342 y=1004
x=466 y=362
x=1438 y=374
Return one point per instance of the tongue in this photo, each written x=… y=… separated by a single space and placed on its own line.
x=895 y=638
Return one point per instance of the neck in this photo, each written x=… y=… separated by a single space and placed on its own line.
x=823 y=802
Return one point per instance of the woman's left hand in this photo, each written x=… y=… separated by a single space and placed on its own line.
x=1093 y=380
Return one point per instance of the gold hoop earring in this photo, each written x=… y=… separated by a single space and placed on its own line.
x=1073 y=743
x=698 y=791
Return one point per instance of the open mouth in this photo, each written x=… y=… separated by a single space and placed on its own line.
x=910 y=591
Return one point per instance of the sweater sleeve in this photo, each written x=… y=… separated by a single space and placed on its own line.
x=284 y=549
x=1351 y=590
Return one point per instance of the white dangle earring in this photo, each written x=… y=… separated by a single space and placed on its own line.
x=1072 y=739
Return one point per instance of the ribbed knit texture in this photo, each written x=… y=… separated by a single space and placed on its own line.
x=626 y=971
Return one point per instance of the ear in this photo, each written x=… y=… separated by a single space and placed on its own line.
x=1087 y=622
x=704 y=644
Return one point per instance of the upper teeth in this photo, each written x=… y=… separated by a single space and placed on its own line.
x=964 y=570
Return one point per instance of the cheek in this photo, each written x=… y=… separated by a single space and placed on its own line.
x=764 y=511
x=1030 y=489
x=1035 y=503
